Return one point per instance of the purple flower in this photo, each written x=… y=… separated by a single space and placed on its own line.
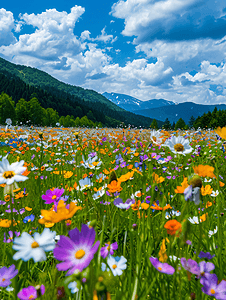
x=76 y=251
x=211 y=288
x=205 y=255
x=52 y=196
x=10 y=239
x=6 y=274
x=30 y=292
x=104 y=251
x=190 y=265
x=119 y=203
x=162 y=267
x=205 y=267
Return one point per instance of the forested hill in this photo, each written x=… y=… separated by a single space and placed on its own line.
x=67 y=104
x=33 y=76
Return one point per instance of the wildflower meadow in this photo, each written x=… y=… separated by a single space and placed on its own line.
x=100 y=214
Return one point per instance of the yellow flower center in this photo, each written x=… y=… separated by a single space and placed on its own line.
x=178 y=147
x=8 y=174
x=114 y=266
x=154 y=138
x=212 y=291
x=54 y=197
x=3 y=279
x=34 y=245
x=31 y=297
x=159 y=268
x=79 y=254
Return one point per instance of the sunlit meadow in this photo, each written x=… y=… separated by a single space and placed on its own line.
x=112 y=214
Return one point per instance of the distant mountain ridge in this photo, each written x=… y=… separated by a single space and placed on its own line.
x=182 y=110
x=161 y=109
x=133 y=104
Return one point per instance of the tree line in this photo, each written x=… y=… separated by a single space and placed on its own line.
x=214 y=119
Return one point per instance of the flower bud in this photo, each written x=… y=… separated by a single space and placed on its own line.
x=195 y=181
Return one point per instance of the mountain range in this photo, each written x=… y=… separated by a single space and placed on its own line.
x=132 y=104
x=161 y=109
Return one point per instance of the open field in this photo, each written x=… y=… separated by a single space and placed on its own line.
x=112 y=214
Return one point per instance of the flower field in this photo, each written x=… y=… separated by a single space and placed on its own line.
x=112 y=214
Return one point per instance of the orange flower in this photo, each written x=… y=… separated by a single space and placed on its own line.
x=173 y=226
x=19 y=195
x=208 y=204
x=126 y=177
x=114 y=186
x=50 y=216
x=144 y=205
x=157 y=179
x=6 y=223
x=162 y=253
x=156 y=207
x=221 y=132
x=204 y=171
x=203 y=217
x=136 y=205
x=221 y=184
x=207 y=190
x=26 y=172
x=184 y=185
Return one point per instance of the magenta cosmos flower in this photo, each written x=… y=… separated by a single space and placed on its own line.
x=30 y=292
x=52 y=196
x=162 y=267
x=76 y=251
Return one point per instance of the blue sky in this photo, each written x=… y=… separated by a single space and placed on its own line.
x=169 y=49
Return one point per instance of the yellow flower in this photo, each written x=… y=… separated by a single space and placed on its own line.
x=68 y=174
x=207 y=190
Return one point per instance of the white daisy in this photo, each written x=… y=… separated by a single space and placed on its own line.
x=194 y=220
x=215 y=194
x=29 y=247
x=156 y=137
x=210 y=233
x=178 y=145
x=10 y=173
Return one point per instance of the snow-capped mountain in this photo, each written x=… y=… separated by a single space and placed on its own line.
x=132 y=104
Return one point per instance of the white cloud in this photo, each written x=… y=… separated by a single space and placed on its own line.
x=6 y=27
x=52 y=38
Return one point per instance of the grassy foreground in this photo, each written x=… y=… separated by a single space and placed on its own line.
x=112 y=214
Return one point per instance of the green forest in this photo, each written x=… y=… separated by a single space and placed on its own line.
x=65 y=106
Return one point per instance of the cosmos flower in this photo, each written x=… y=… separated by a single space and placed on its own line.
x=178 y=145
x=162 y=267
x=30 y=292
x=117 y=264
x=6 y=274
x=52 y=196
x=77 y=251
x=190 y=265
x=29 y=247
